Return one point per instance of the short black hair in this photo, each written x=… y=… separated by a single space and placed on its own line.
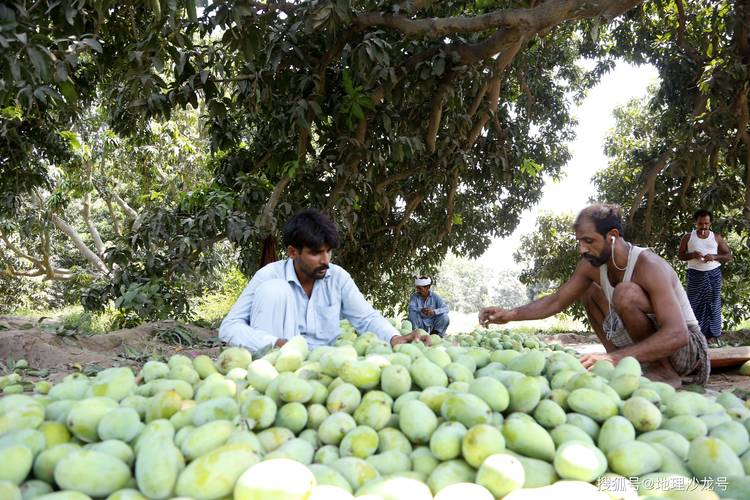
x=702 y=212
x=605 y=217
x=310 y=228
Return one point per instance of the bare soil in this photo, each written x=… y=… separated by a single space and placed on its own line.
x=62 y=352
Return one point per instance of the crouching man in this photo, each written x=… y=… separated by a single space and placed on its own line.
x=634 y=301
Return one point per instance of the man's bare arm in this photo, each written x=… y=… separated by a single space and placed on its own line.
x=545 y=307
x=724 y=253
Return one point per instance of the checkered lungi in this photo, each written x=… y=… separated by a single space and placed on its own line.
x=690 y=361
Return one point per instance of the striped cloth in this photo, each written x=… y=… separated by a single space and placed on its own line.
x=704 y=293
x=690 y=361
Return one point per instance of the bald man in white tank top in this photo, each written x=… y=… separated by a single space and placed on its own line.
x=634 y=300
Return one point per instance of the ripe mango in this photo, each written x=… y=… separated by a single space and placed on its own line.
x=390 y=462
x=360 y=442
x=17 y=460
x=333 y=429
x=592 y=403
x=634 y=458
x=524 y=394
x=91 y=472
x=445 y=442
x=426 y=374
x=344 y=398
x=293 y=416
x=465 y=408
x=500 y=474
x=45 y=463
x=120 y=423
x=712 y=457
x=279 y=478
x=528 y=438
x=417 y=422
x=450 y=472
x=325 y=475
x=580 y=461
x=642 y=413
x=615 y=430
x=356 y=471
x=83 y=418
x=18 y=411
x=481 y=441
x=492 y=392
x=393 y=439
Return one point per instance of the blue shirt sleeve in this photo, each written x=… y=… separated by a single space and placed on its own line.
x=235 y=329
x=440 y=307
x=361 y=314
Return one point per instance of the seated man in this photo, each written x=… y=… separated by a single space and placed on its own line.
x=304 y=294
x=634 y=301
x=426 y=309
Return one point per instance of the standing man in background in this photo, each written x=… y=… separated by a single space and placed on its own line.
x=704 y=252
x=426 y=309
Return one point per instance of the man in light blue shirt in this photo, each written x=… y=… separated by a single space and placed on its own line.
x=304 y=294
x=426 y=309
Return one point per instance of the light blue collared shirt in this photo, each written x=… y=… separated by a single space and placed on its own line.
x=333 y=298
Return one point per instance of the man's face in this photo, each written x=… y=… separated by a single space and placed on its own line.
x=423 y=291
x=311 y=263
x=702 y=225
x=591 y=245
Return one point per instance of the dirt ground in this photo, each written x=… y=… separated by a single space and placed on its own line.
x=48 y=347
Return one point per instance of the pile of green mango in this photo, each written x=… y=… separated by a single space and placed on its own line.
x=360 y=418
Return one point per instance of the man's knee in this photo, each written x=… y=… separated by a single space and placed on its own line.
x=629 y=296
x=441 y=322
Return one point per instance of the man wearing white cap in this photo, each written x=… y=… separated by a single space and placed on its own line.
x=426 y=309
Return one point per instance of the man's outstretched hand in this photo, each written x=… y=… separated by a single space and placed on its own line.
x=495 y=315
x=414 y=336
x=589 y=360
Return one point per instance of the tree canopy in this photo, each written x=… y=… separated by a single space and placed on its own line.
x=681 y=148
x=421 y=126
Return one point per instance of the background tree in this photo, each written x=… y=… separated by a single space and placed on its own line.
x=422 y=126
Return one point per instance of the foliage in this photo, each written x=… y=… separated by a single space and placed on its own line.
x=467 y=285
x=548 y=256
x=421 y=126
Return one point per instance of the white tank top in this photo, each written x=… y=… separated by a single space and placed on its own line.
x=705 y=246
x=679 y=291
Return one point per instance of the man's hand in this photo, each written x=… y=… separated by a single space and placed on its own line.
x=709 y=257
x=279 y=342
x=428 y=312
x=412 y=337
x=496 y=315
x=589 y=360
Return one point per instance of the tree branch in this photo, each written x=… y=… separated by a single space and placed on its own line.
x=86 y=214
x=530 y=20
x=352 y=167
x=79 y=244
x=20 y=253
x=493 y=91
x=113 y=216
x=649 y=187
x=124 y=205
x=437 y=111
x=450 y=202
x=266 y=220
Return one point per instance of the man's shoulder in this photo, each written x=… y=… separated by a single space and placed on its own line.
x=272 y=270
